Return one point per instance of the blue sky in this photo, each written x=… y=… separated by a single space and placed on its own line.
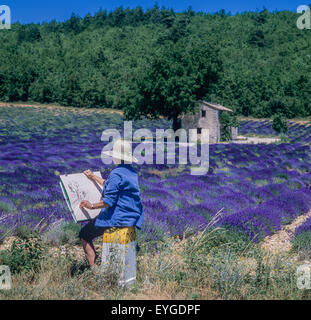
x=26 y=11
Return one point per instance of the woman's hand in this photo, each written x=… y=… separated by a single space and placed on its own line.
x=89 y=174
x=85 y=204
x=94 y=178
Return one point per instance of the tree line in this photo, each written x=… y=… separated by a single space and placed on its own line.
x=158 y=62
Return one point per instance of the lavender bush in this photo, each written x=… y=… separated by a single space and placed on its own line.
x=302 y=237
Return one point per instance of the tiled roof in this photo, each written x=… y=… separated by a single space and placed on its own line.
x=216 y=106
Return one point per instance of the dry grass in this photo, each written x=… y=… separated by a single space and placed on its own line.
x=206 y=266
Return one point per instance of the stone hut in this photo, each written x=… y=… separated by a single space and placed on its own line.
x=207 y=117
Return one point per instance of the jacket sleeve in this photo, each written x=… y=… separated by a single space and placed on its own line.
x=112 y=189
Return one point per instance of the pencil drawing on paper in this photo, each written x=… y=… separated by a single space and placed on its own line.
x=77 y=194
x=78 y=187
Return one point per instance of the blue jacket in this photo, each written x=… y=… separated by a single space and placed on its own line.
x=121 y=193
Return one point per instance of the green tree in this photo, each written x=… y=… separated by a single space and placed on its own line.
x=280 y=123
x=74 y=24
x=227 y=121
x=30 y=33
x=179 y=74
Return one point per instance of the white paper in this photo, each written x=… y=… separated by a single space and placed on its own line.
x=78 y=188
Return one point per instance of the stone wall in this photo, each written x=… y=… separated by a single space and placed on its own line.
x=211 y=122
x=234 y=132
x=190 y=121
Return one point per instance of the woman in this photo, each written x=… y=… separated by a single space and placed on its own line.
x=121 y=204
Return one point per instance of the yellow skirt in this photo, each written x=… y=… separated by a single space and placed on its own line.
x=119 y=235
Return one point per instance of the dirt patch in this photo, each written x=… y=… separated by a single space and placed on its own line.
x=7 y=243
x=281 y=241
x=55 y=107
x=255 y=140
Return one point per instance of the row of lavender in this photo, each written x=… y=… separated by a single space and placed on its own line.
x=259 y=187
x=297 y=132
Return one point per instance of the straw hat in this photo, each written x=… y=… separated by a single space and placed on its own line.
x=122 y=149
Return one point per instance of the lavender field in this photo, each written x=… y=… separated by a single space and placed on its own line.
x=258 y=187
x=298 y=132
